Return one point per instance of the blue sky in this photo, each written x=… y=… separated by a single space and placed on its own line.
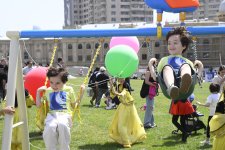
x=46 y=14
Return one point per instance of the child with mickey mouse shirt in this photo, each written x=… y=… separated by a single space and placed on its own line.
x=61 y=101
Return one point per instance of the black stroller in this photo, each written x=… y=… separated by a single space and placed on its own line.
x=193 y=122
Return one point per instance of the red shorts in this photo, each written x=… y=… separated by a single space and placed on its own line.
x=181 y=108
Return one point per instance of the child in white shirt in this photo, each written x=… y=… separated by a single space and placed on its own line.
x=211 y=102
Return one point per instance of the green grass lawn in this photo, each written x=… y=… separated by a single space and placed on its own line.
x=92 y=133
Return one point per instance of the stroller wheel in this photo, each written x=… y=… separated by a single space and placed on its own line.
x=174 y=131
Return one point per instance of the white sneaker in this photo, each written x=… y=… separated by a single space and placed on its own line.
x=111 y=106
x=96 y=106
x=173 y=92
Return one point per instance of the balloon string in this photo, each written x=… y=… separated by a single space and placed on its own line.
x=124 y=68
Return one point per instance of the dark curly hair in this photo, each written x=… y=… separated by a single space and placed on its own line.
x=53 y=72
x=185 y=36
x=214 y=88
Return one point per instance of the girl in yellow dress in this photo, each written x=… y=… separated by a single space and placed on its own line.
x=217 y=124
x=126 y=127
x=16 y=143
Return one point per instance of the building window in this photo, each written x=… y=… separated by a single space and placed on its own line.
x=70 y=55
x=205 y=41
x=157 y=44
x=157 y=56
x=113 y=13
x=96 y=45
x=113 y=19
x=70 y=46
x=144 y=56
x=125 y=6
x=205 y=55
x=125 y=13
x=189 y=55
x=144 y=44
x=70 y=58
x=80 y=58
x=88 y=46
x=106 y=45
x=88 y=58
x=206 y=45
x=38 y=54
x=79 y=46
x=25 y=55
x=125 y=19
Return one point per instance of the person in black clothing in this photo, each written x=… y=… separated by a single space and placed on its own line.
x=3 y=78
x=91 y=84
x=3 y=81
x=217 y=125
x=60 y=63
x=101 y=84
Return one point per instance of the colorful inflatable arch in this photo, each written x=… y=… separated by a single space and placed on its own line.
x=175 y=6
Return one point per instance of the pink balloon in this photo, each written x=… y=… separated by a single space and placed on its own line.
x=131 y=41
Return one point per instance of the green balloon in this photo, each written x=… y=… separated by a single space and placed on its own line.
x=121 y=61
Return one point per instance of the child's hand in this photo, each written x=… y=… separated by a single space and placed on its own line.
x=8 y=110
x=113 y=90
x=117 y=93
x=82 y=86
x=152 y=62
x=198 y=103
x=154 y=84
x=111 y=81
x=41 y=89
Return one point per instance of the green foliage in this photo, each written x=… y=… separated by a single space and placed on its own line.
x=92 y=133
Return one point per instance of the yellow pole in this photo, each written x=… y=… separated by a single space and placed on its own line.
x=159 y=27
x=80 y=94
x=182 y=16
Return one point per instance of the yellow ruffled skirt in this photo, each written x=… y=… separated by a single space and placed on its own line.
x=219 y=143
x=126 y=127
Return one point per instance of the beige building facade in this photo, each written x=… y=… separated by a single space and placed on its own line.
x=81 y=51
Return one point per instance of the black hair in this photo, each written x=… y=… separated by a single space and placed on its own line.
x=125 y=85
x=29 y=62
x=97 y=69
x=53 y=72
x=185 y=36
x=60 y=59
x=214 y=88
x=16 y=101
